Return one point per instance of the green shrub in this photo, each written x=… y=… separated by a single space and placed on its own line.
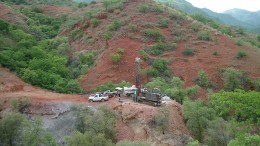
x=158 y=68
x=107 y=35
x=178 y=31
x=153 y=33
x=110 y=5
x=188 y=51
x=144 y=54
x=160 y=64
x=144 y=8
x=179 y=17
x=120 y=51
x=158 y=48
x=163 y=22
x=226 y=30
x=95 y=22
x=89 y=14
x=239 y=43
x=203 y=79
x=257 y=84
x=116 y=24
x=204 y=35
x=157 y=8
x=133 y=27
x=76 y=33
x=194 y=26
x=116 y=57
x=241 y=54
x=258 y=38
x=232 y=79
x=82 y=4
x=215 y=53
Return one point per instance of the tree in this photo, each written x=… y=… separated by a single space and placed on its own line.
x=203 y=79
x=87 y=139
x=161 y=119
x=10 y=127
x=232 y=78
x=4 y=26
x=34 y=135
x=241 y=105
x=80 y=112
x=219 y=132
x=99 y=121
x=245 y=140
x=197 y=117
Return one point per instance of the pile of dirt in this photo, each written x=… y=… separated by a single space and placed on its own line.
x=135 y=123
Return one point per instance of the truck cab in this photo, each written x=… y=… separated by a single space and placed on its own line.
x=97 y=97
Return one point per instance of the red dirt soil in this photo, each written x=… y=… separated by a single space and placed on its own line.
x=13 y=87
x=54 y=10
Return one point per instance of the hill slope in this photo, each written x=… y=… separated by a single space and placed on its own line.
x=156 y=33
x=186 y=67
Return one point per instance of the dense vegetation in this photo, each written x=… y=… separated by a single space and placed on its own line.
x=39 y=60
x=227 y=118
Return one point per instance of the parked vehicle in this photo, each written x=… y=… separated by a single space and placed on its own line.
x=130 y=90
x=98 y=97
x=110 y=93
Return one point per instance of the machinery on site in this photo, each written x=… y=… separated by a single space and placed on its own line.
x=144 y=95
x=152 y=96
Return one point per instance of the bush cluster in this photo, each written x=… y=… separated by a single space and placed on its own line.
x=116 y=57
x=153 y=33
x=95 y=22
x=115 y=25
x=159 y=47
x=241 y=54
x=163 y=22
x=144 y=8
x=204 y=35
x=188 y=51
x=179 y=17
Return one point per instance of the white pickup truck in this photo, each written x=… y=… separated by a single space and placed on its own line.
x=97 y=97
